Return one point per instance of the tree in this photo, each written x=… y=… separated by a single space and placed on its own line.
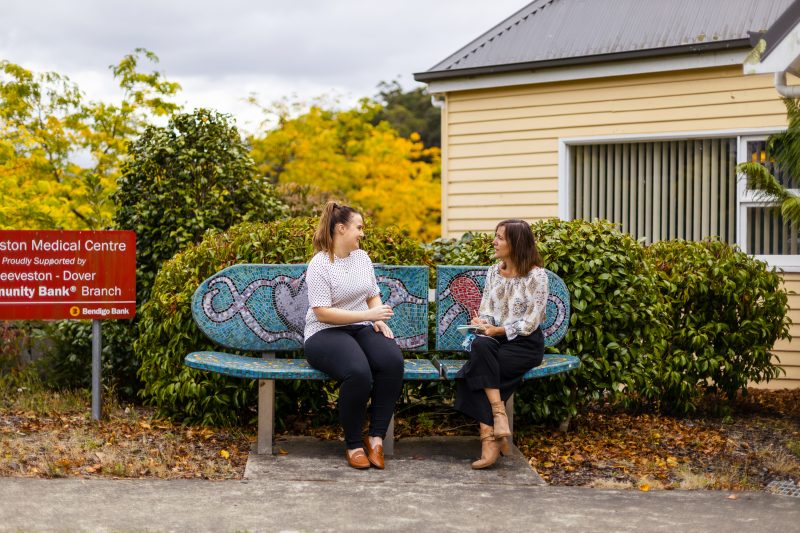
x=409 y=112
x=60 y=154
x=178 y=181
x=325 y=153
x=183 y=179
x=783 y=156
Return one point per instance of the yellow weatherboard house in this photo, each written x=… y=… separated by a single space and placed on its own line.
x=635 y=111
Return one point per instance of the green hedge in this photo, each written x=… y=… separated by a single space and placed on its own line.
x=726 y=312
x=650 y=324
x=168 y=332
x=617 y=312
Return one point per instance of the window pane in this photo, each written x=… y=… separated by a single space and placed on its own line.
x=768 y=234
x=757 y=153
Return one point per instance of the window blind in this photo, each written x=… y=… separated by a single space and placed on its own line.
x=682 y=189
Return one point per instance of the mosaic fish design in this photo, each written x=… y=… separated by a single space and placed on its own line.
x=289 y=298
x=263 y=307
x=458 y=295
x=459 y=299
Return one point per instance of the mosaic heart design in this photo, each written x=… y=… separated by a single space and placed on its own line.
x=467 y=293
x=291 y=304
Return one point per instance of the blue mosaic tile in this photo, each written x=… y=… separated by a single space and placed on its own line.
x=263 y=307
x=241 y=366
x=458 y=297
x=551 y=364
x=405 y=290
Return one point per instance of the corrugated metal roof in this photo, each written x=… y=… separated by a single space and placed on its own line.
x=577 y=31
x=781 y=28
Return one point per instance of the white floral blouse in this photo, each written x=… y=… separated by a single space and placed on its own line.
x=518 y=304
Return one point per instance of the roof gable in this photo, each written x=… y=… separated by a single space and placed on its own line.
x=778 y=50
x=559 y=32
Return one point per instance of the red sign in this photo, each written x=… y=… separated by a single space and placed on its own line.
x=67 y=274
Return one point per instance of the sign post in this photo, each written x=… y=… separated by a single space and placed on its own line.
x=97 y=370
x=54 y=275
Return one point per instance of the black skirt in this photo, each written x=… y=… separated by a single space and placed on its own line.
x=495 y=363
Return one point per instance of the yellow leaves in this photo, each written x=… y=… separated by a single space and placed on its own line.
x=644 y=487
x=60 y=155
x=224 y=454
x=394 y=180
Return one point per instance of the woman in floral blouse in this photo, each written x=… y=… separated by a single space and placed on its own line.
x=509 y=341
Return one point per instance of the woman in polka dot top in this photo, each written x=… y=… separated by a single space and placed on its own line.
x=346 y=335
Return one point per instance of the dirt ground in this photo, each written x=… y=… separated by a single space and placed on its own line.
x=52 y=435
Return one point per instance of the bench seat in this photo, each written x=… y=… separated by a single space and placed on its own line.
x=242 y=366
x=551 y=364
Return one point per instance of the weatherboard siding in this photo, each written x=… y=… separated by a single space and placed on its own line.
x=500 y=146
x=788 y=352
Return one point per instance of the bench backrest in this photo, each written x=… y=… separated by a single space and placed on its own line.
x=263 y=307
x=458 y=297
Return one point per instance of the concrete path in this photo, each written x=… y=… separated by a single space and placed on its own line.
x=423 y=488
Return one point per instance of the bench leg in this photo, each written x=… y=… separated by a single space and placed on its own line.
x=266 y=416
x=388 y=442
x=510 y=414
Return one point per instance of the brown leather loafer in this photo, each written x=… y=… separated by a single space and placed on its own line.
x=357 y=460
x=374 y=455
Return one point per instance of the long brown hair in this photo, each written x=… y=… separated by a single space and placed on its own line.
x=332 y=214
x=519 y=236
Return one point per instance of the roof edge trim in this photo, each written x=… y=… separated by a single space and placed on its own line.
x=582 y=60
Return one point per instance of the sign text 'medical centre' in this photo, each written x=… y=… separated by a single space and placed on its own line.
x=67 y=274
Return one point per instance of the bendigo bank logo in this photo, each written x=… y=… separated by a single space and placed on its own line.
x=74 y=310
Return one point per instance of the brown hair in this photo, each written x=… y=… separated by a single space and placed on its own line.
x=332 y=214
x=524 y=254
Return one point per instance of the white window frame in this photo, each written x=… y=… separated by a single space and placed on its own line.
x=747 y=198
x=744 y=197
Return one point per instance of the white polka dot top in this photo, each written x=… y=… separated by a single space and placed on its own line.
x=347 y=283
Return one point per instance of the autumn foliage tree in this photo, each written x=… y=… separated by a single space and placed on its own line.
x=60 y=154
x=409 y=112
x=324 y=153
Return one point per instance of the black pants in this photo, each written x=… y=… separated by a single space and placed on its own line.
x=367 y=366
x=495 y=363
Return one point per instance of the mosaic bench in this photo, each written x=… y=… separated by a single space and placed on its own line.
x=458 y=297
x=262 y=308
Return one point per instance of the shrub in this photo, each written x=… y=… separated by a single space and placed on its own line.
x=183 y=179
x=617 y=313
x=168 y=332
x=470 y=249
x=68 y=365
x=727 y=309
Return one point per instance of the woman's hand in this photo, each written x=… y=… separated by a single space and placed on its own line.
x=494 y=331
x=379 y=313
x=476 y=320
x=381 y=327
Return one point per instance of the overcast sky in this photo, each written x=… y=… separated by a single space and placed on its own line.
x=220 y=51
